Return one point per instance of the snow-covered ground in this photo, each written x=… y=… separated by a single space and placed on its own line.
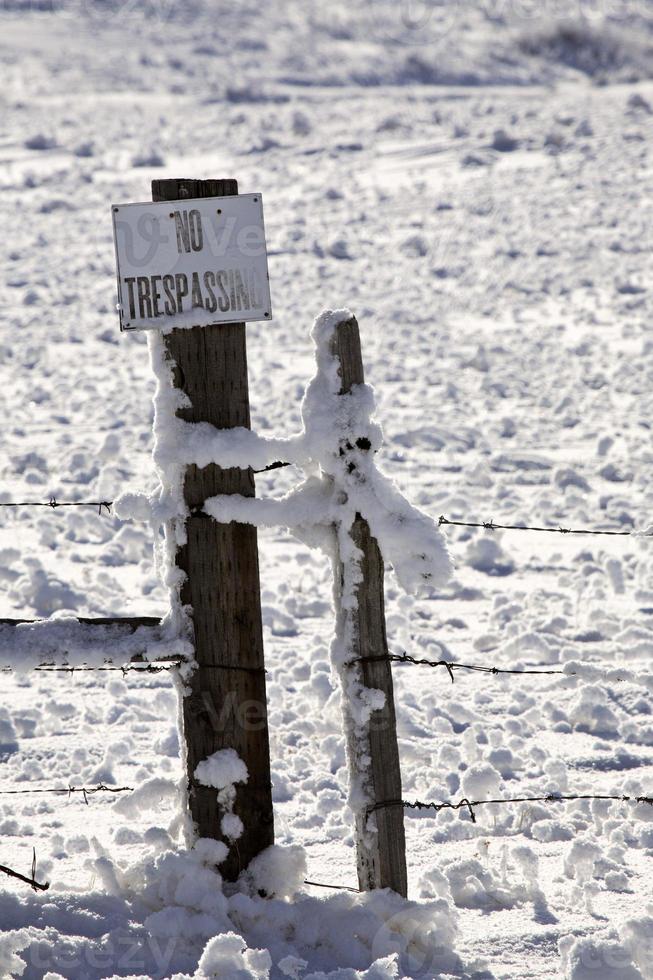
x=474 y=181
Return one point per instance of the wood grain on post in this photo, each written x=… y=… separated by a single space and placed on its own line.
x=226 y=706
x=384 y=864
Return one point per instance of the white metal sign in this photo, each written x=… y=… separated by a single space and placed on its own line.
x=191 y=263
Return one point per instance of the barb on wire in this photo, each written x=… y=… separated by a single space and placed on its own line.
x=451 y=665
x=32 y=882
x=470 y=804
x=491 y=526
x=55 y=504
x=86 y=791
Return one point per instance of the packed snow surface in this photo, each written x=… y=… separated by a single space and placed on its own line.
x=474 y=182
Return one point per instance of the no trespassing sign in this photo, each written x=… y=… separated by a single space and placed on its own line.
x=191 y=263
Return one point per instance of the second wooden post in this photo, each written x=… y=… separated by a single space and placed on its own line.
x=226 y=702
x=380 y=837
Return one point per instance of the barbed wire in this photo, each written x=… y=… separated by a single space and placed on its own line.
x=55 y=504
x=146 y=668
x=491 y=526
x=137 y=667
x=36 y=885
x=102 y=505
x=125 y=669
x=340 y=888
x=451 y=665
x=470 y=804
x=86 y=791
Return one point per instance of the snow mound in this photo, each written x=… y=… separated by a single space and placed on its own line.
x=625 y=953
x=225 y=956
x=177 y=908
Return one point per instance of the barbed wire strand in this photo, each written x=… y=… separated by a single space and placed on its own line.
x=470 y=804
x=128 y=668
x=32 y=882
x=55 y=504
x=145 y=667
x=86 y=791
x=451 y=665
x=340 y=888
x=138 y=667
x=106 y=505
x=491 y=526
x=156 y=668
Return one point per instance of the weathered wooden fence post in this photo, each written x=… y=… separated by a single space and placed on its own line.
x=381 y=856
x=226 y=706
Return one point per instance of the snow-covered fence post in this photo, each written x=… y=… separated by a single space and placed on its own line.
x=374 y=765
x=225 y=704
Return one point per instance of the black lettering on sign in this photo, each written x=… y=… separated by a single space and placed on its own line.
x=130 y=280
x=183 y=232
x=188 y=227
x=149 y=297
x=196 y=296
x=223 y=298
x=196 y=236
x=170 y=307
x=242 y=294
x=211 y=302
x=144 y=300
x=156 y=295
x=181 y=289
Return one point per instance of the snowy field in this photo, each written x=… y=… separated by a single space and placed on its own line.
x=474 y=181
